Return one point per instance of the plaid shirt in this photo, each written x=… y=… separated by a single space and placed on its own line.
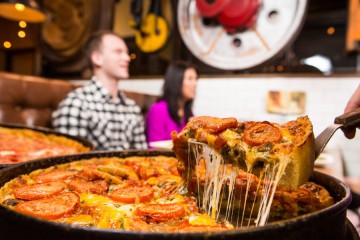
x=91 y=113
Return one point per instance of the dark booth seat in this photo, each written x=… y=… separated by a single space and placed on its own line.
x=30 y=100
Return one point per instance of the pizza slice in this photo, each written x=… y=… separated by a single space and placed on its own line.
x=254 y=147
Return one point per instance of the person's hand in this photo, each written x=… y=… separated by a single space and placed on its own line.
x=353 y=103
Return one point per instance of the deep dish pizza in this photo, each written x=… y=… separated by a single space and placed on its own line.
x=20 y=145
x=281 y=156
x=134 y=193
x=250 y=146
x=138 y=193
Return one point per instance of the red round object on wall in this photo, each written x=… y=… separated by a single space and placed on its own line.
x=239 y=13
x=211 y=8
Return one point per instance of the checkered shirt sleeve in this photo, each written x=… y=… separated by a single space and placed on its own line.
x=107 y=124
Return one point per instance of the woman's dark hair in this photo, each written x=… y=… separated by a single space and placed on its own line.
x=172 y=90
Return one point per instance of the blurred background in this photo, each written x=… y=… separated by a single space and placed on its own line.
x=53 y=48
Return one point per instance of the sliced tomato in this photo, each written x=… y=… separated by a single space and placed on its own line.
x=50 y=208
x=84 y=186
x=261 y=133
x=133 y=194
x=39 y=190
x=55 y=175
x=212 y=124
x=161 y=212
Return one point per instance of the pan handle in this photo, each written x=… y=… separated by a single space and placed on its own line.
x=350 y=119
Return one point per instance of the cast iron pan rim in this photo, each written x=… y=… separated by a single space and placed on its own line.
x=289 y=224
x=46 y=131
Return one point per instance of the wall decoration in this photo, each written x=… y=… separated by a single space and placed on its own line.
x=64 y=33
x=152 y=31
x=239 y=34
x=285 y=102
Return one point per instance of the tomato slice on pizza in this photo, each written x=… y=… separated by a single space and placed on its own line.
x=39 y=190
x=262 y=133
x=133 y=194
x=55 y=175
x=50 y=208
x=84 y=186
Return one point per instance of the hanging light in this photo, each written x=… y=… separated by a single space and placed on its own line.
x=21 y=34
x=21 y=10
x=22 y=24
x=7 y=44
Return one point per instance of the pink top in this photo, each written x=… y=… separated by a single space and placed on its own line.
x=159 y=124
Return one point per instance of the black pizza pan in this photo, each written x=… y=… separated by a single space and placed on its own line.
x=328 y=223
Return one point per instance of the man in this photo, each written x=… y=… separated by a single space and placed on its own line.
x=99 y=111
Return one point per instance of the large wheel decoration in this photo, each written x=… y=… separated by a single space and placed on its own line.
x=67 y=28
x=239 y=34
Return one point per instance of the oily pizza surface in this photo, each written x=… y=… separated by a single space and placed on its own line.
x=20 y=145
x=136 y=193
x=133 y=193
x=251 y=146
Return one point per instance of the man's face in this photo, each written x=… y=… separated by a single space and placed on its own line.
x=114 y=57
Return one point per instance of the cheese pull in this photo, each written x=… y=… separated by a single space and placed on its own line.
x=254 y=147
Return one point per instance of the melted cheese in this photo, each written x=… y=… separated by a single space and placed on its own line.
x=217 y=175
x=80 y=220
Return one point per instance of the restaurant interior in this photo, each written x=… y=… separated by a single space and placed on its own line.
x=312 y=62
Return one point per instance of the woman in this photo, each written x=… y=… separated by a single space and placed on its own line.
x=173 y=110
